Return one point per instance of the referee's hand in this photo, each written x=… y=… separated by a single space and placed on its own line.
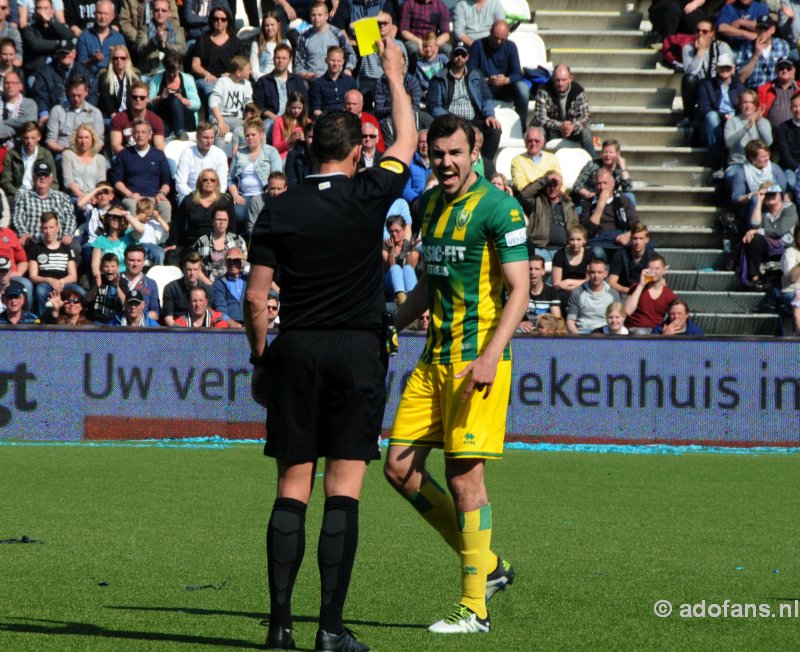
x=391 y=58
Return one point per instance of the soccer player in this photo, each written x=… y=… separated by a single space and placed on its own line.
x=457 y=397
x=323 y=378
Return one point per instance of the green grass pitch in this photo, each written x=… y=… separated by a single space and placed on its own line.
x=596 y=540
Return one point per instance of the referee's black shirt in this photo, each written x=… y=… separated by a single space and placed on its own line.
x=326 y=236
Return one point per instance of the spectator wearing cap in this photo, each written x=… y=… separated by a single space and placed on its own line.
x=699 y=60
x=473 y=19
x=142 y=171
x=14 y=300
x=68 y=308
x=717 y=99
x=787 y=139
x=30 y=205
x=736 y=21
x=134 y=313
x=42 y=37
x=15 y=108
x=498 y=59
x=49 y=81
x=7 y=276
x=775 y=96
x=199 y=315
x=229 y=289
x=463 y=92
x=66 y=118
x=51 y=263
x=176 y=293
x=757 y=61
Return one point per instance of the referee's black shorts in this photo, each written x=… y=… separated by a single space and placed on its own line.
x=326 y=392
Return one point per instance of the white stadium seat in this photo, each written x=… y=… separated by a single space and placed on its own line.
x=512 y=129
x=572 y=161
x=174 y=149
x=502 y=162
x=162 y=275
x=532 y=52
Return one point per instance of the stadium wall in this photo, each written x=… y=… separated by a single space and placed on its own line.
x=122 y=384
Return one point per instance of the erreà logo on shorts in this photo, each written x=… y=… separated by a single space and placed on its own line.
x=15 y=381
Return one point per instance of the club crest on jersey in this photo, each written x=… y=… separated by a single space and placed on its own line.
x=463 y=219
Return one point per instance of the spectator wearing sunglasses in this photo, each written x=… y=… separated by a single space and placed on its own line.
x=229 y=289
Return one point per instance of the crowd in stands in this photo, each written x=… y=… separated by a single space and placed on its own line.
x=93 y=92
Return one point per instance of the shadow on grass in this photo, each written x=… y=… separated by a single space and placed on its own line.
x=264 y=616
x=66 y=628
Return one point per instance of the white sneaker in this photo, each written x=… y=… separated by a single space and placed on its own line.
x=462 y=620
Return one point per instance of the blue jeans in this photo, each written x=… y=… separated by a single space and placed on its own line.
x=519 y=93
x=154 y=253
x=42 y=294
x=400 y=279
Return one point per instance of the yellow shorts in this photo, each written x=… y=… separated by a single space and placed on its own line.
x=431 y=413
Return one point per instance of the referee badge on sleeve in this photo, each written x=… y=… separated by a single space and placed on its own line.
x=392 y=166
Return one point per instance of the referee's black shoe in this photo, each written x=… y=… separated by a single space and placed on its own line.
x=280 y=638
x=344 y=641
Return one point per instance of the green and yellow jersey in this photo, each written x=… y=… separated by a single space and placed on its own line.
x=465 y=242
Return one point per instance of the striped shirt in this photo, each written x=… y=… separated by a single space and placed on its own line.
x=465 y=243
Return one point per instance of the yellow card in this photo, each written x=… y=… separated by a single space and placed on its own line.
x=367 y=32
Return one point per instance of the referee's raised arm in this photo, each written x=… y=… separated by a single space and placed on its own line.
x=405 y=142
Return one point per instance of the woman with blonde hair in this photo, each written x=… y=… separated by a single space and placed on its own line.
x=195 y=212
x=263 y=47
x=82 y=164
x=615 y=320
x=115 y=82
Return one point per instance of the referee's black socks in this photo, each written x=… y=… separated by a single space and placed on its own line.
x=286 y=543
x=338 y=541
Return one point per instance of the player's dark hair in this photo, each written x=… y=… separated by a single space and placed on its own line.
x=446 y=125
x=336 y=133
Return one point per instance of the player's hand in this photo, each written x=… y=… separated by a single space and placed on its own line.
x=482 y=373
x=258 y=385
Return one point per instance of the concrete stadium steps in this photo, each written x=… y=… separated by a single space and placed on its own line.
x=589 y=38
x=565 y=19
x=659 y=175
x=650 y=136
x=579 y=5
x=610 y=116
x=665 y=215
x=705 y=281
x=684 y=237
x=663 y=196
x=723 y=302
x=737 y=325
x=591 y=76
x=666 y=157
x=603 y=57
x=635 y=98
x=695 y=259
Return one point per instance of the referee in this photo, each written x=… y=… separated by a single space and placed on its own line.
x=323 y=378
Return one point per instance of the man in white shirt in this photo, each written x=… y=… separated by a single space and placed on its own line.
x=193 y=160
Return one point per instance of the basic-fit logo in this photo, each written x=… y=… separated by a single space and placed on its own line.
x=17 y=382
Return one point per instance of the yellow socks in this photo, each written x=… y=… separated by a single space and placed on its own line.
x=476 y=557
